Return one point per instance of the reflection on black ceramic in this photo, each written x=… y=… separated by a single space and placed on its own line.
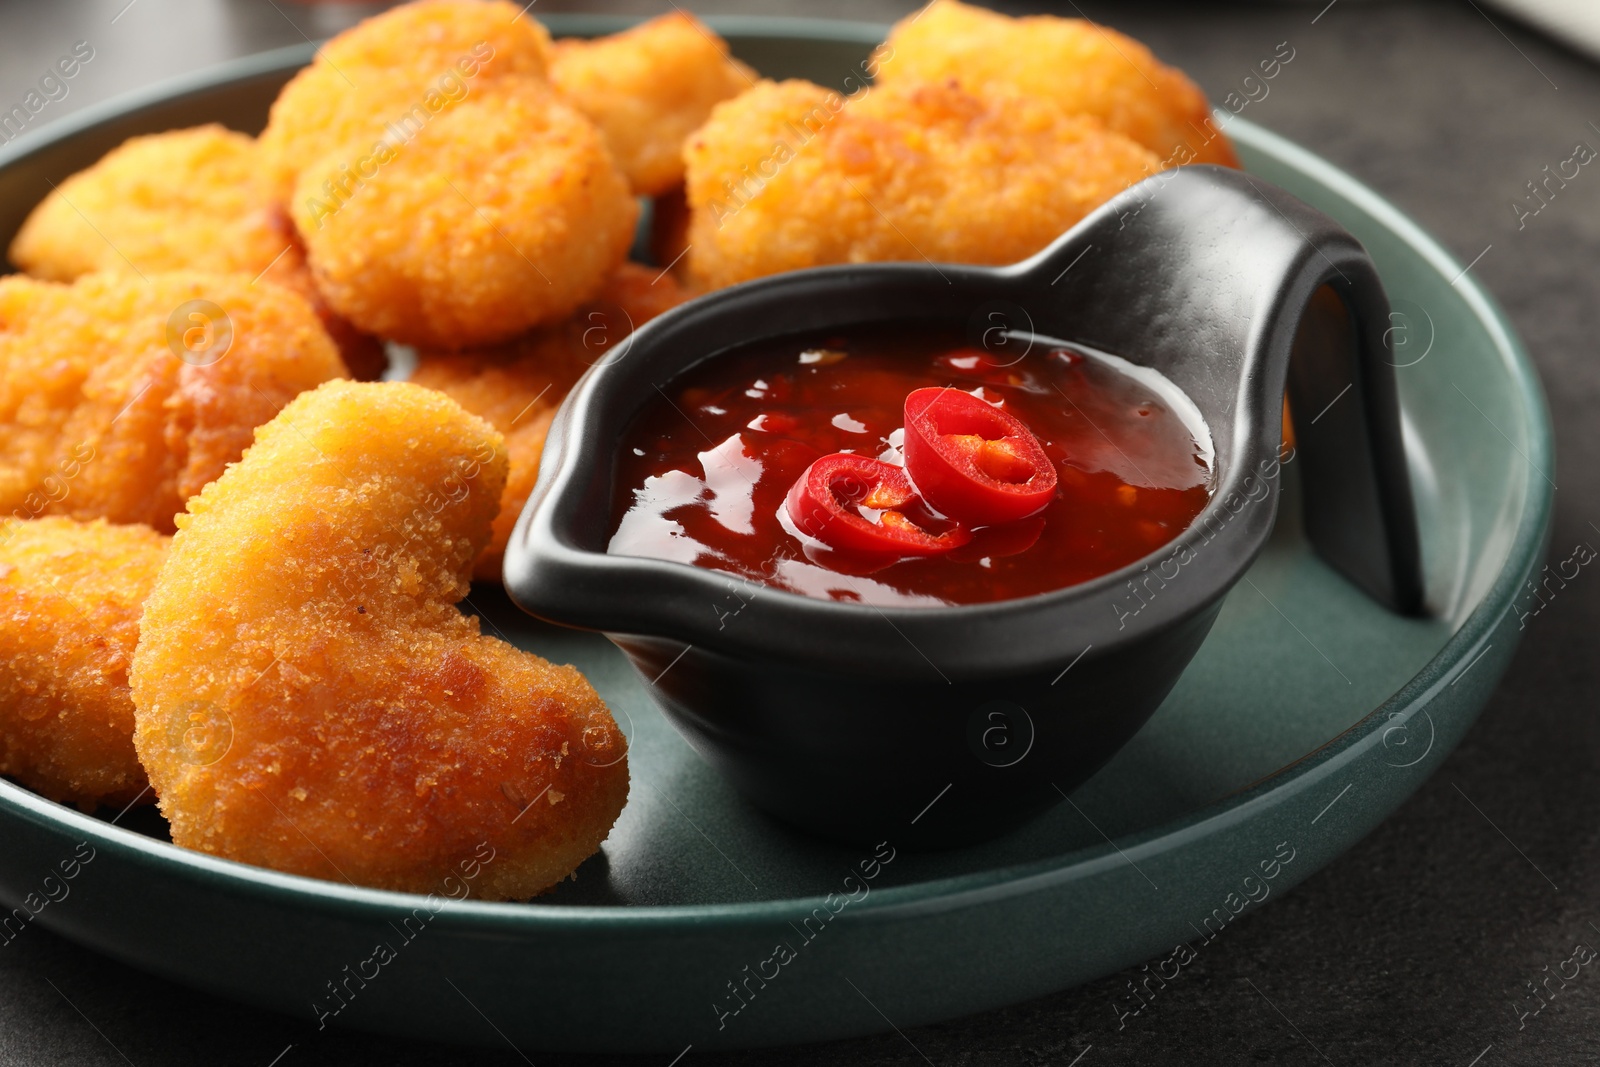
x=850 y=720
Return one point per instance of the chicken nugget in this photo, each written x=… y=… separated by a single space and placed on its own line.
x=518 y=386
x=791 y=175
x=70 y=598
x=391 y=75
x=307 y=611
x=184 y=200
x=1084 y=67
x=648 y=88
x=121 y=397
x=500 y=215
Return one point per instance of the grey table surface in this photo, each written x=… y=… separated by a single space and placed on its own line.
x=1417 y=945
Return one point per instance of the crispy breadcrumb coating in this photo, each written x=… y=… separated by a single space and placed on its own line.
x=1084 y=67
x=500 y=215
x=446 y=195
x=394 y=72
x=307 y=611
x=184 y=200
x=791 y=175
x=648 y=88
x=70 y=598
x=517 y=386
x=99 y=415
x=187 y=200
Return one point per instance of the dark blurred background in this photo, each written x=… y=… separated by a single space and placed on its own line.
x=1415 y=947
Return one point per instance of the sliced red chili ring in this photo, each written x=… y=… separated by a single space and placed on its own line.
x=972 y=461
x=828 y=500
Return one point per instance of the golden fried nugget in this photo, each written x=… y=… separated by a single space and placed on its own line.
x=121 y=397
x=500 y=215
x=1085 y=68
x=791 y=175
x=70 y=598
x=517 y=386
x=307 y=613
x=648 y=88
x=391 y=75
x=185 y=200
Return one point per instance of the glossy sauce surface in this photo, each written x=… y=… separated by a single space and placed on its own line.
x=704 y=468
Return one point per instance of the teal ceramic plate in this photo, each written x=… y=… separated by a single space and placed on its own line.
x=1308 y=716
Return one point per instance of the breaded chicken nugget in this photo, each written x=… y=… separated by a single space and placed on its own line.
x=500 y=215
x=518 y=386
x=791 y=175
x=392 y=74
x=121 y=397
x=70 y=598
x=307 y=609
x=186 y=200
x=1085 y=68
x=648 y=88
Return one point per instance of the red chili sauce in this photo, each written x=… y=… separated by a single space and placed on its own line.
x=706 y=467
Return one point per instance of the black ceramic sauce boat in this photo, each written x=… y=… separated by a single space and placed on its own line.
x=939 y=726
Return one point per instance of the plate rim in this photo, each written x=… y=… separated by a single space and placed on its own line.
x=939 y=894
